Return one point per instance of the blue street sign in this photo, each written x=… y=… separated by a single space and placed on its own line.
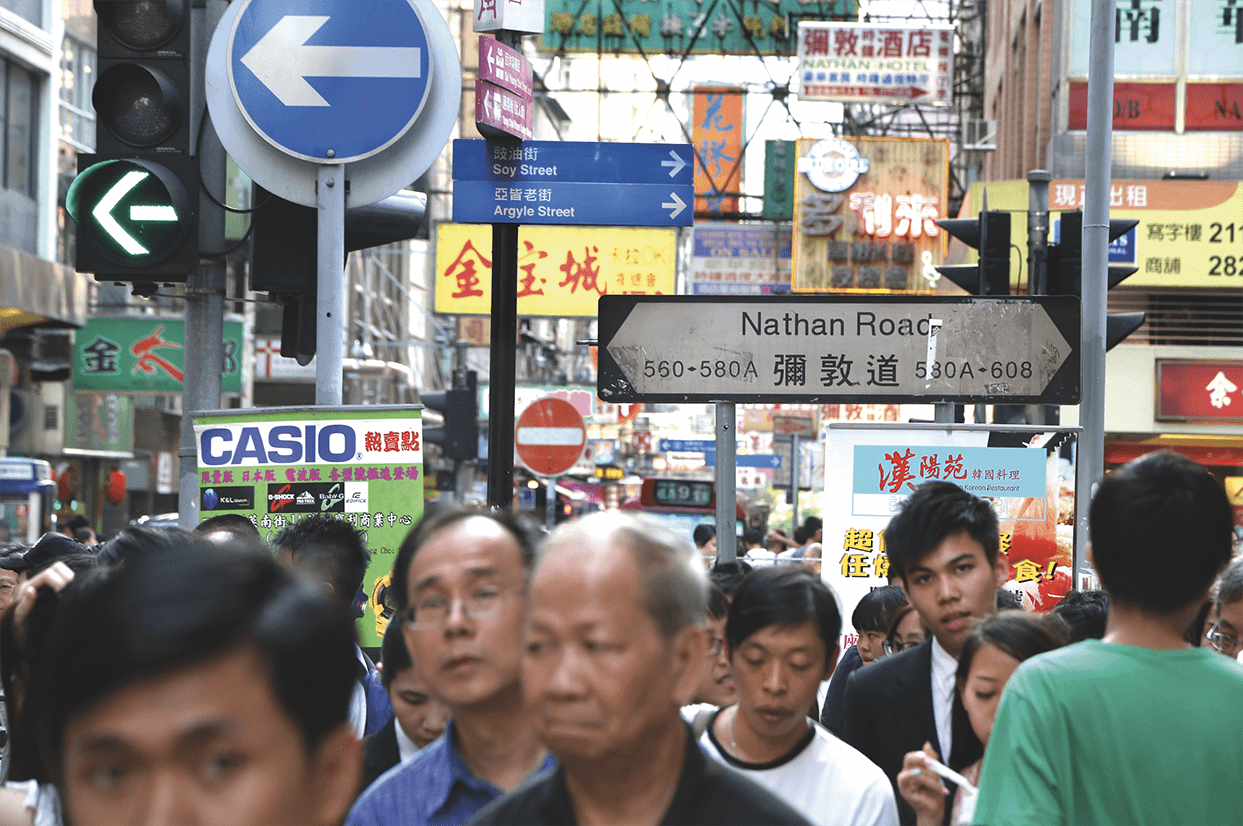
x=686 y=445
x=570 y=161
x=624 y=205
x=330 y=81
x=768 y=460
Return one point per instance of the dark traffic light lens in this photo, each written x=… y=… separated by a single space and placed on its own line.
x=139 y=105
x=142 y=25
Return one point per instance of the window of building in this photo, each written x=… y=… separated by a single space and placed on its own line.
x=19 y=123
x=31 y=10
x=77 y=80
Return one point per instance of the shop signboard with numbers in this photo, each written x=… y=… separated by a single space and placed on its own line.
x=276 y=466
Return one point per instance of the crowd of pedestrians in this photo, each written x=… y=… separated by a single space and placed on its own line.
x=599 y=674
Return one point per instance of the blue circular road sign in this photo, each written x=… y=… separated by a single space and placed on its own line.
x=329 y=81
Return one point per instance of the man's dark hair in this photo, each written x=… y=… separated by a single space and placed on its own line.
x=394 y=655
x=729 y=575
x=783 y=595
x=1020 y=634
x=75 y=523
x=1084 y=613
x=524 y=532
x=331 y=547
x=718 y=602
x=1229 y=585
x=1157 y=505
x=234 y=524
x=703 y=534
x=801 y=535
x=752 y=536
x=933 y=513
x=140 y=540
x=813 y=524
x=1007 y=599
x=876 y=608
x=159 y=613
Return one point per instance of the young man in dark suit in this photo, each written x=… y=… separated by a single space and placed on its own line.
x=943 y=544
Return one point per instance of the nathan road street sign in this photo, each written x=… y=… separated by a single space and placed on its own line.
x=856 y=349
x=550 y=436
x=554 y=182
x=293 y=84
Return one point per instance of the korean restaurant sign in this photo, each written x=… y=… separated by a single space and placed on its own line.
x=1199 y=391
x=144 y=354
x=275 y=466
x=879 y=468
x=865 y=213
x=681 y=26
x=856 y=63
x=1190 y=233
x=562 y=271
x=717 y=129
x=740 y=259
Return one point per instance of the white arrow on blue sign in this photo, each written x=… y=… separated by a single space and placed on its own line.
x=574 y=161
x=768 y=460
x=626 y=205
x=330 y=81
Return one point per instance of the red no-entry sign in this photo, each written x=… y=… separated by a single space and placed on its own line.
x=550 y=436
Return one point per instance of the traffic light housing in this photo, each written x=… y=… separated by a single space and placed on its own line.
x=459 y=437
x=990 y=234
x=136 y=200
x=1065 y=268
x=284 y=253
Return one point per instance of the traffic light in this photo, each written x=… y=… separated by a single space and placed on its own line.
x=459 y=437
x=1065 y=269
x=284 y=253
x=990 y=234
x=136 y=201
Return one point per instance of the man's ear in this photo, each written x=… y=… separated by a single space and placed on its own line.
x=1001 y=570
x=687 y=650
x=336 y=774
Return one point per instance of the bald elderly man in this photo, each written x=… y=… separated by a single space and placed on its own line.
x=613 y=648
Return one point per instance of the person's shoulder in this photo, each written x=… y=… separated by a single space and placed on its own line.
x=881 y=673
x=399 y=787
x=840 y=758
x=732 y=799
x=527 y=804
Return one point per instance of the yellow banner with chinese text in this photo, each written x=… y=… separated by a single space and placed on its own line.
x=562 y=271
x=1190 y=233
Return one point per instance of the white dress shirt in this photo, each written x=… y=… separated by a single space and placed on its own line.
x=406 y=748
x=944 y=668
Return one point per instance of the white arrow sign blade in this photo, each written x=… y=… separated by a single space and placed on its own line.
x=282 y=61
x=677 y=205
x=152 y=213
x=677 y=164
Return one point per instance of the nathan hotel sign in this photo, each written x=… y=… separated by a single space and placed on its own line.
x=865 y=212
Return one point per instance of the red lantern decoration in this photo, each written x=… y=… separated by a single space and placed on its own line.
x=114 y=487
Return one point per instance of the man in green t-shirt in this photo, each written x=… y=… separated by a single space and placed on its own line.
x=1138 y=727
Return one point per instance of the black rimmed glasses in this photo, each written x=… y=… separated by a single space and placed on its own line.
x=431 y=611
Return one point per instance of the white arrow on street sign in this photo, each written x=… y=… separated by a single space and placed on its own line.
x=103 y=212
x=677 y=164
x=282 y=61
x=677 y=205
x=856 y=349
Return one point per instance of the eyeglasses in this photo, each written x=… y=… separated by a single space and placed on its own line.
x=433 y=610
x=897 y=646
x=715 y=646
x=1222 y=642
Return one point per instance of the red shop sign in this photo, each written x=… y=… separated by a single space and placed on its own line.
x=1136 y=106
x=1203 y=391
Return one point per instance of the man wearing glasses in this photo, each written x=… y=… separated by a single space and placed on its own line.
x=1227 y=614
x=460 y=586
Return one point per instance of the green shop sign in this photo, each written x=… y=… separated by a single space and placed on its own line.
x=683 y=26
x=142 y=354
x=276 y=466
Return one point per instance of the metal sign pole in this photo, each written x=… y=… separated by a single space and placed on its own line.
x=1091 y=464
x=794 y=457
x=330 y=301
x=726 y=500
x=502 y=366
x=550 y=504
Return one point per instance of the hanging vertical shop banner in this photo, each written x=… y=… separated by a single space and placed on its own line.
x=562 y=271
x=275 y=466
x=779 y=180
x=879 y=468
x=740 y=259
x=717 y=132
x=865 y=213
x=856 y=63
x=144 y=354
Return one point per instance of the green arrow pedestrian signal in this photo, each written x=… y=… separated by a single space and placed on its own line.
x=136 y=218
